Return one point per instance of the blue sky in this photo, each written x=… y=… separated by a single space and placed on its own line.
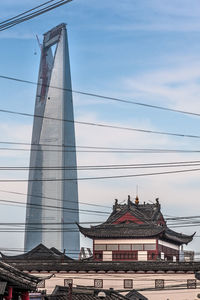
x=139 y=50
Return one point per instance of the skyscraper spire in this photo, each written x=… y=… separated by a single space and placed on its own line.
x=51 y=156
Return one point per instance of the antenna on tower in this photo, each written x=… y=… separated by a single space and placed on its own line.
x=40 y=45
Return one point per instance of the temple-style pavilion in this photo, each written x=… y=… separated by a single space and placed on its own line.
x=137 y=232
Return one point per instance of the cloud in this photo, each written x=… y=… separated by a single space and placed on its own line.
x=178 y=86
x=174 y=190
x=170 y=188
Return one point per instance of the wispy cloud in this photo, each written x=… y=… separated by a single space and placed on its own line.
x=179 y=85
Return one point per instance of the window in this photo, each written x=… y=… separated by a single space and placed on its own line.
x=159 y=284
x=98 y=255
x=191 y=284
x=99 y=247
x=151 y=255
x=112 y=247
x=125 y=247
x=137 y=247
x=98 y=283
x=149 y=246
x=132 y=255
x=41 y=284
x=68 y=281
x=128 y=283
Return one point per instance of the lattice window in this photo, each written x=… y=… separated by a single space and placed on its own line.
x=137 y=247
x=68 y=281
x=125 y=247
x=191 y=284
x=149 y=246
x=41 y=284
x=98 y=283
x=101 y=247
x=128 y=283
x=159 y=284
x=112 y=247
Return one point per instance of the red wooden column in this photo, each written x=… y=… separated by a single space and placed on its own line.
x=25 y=295
x=10 y=291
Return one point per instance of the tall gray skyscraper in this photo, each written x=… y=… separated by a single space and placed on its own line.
x=52 y=199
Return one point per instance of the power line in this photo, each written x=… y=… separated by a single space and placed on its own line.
x=101 y=125
x=16 y=20
x=106 y=167
x=25 y=12
x=42 y=206
x=107 y=97
x=140 y=151
x=121 y=149
x=92 y=123
x=54 y=199
x=101 y=177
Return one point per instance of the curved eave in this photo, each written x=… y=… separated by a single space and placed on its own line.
x=178 y=238
x=120 y=232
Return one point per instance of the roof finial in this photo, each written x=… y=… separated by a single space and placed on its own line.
x=129 y=201
x=136 y=198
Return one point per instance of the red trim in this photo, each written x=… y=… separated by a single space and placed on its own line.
x=98 y=255
x=161 y=221
x=151 y=255
x=124 y=255
x=10 y=291
x=128 y=218
x=25 y=296
x=157 y=247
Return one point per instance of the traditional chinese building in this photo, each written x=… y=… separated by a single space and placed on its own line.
x=123 y=257
x=135 y=232
x=15 y=283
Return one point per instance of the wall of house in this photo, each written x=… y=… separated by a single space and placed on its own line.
x=134 y=249
x=125 y=249
x=169 y=251
x=162 y=286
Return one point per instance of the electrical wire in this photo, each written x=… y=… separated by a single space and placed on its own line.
x=16 y=20
x=106 y=97
x=53 y=199
x=25 y=12
x=105 y=167
x=102 y=125
x=101 y=177
x=121 y=150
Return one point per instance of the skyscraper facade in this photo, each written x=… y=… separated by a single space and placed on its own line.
x=52 y=201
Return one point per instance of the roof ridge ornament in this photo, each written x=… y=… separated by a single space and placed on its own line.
x=137 y=200
x=129 y=201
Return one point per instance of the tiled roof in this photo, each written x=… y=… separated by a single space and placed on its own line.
x=144 y=212
x=177 y=237
x=84 y=293
x=40 y=252
x=125 y=266
x=135 y=295
x=17 y=278
x=149 y=222
x=122 y=231
x=135 y=231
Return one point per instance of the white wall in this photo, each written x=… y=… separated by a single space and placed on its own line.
x=140 y=281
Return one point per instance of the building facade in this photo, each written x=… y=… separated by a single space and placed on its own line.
x=52 y=202
x=135 y=232
x=122 y=257
x=156 y=280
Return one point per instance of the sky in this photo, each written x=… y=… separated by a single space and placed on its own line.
x=146 y=51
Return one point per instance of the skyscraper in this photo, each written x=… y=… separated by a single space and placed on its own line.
x=52 y=201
